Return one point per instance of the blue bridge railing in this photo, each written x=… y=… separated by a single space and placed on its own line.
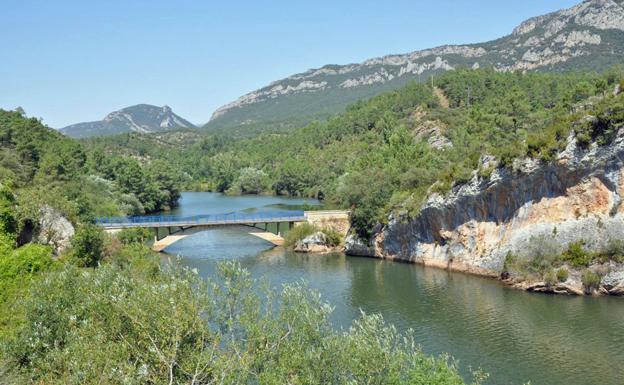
x=210 y=219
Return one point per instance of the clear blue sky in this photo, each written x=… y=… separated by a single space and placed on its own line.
x=72 y=61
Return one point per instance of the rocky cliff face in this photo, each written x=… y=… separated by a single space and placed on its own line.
x=587 y=36
x=576 y=198
x=142 y=118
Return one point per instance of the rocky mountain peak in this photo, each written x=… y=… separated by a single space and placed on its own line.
x=143 y=118
x=599 y=14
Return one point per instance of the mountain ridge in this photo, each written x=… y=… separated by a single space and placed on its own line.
x=588 y=36
x=141 y=118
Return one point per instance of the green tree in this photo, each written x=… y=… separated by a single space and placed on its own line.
x=25 y=261
x=64 y=163
x=222 y=169
x=517 y=107
x=87 y=246
x=251 y=181
x=168 y=180
x=134 y=235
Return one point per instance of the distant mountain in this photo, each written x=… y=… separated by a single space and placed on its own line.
x=142 y=118
x=589 y=36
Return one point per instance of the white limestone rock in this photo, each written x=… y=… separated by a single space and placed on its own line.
x=54 y=230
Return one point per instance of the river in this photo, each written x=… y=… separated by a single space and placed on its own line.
x=514 y=336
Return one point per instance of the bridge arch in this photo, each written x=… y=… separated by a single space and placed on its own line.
x=162 y=243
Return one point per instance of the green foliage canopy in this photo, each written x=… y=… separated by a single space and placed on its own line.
x=113 y=325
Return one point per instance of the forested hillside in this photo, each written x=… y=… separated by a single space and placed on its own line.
x=103 y=309
x=41 y=166
x=397 y=148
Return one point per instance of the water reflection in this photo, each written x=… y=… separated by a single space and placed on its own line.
x=513 y=335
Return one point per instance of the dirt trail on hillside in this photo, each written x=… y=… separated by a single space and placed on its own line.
x=444 y=102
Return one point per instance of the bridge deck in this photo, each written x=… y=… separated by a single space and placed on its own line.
x=192 y=224
x=201 y=220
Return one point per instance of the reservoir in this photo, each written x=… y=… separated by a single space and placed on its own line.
x=513 y=335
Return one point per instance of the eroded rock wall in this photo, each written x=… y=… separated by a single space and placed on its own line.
x=577 y=197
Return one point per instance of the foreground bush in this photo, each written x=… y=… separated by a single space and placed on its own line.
x=18 y=267
x=117 y=325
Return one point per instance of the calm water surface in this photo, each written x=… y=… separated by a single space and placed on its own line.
x=515 y=336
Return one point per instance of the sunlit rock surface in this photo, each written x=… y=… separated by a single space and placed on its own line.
x=577 y=197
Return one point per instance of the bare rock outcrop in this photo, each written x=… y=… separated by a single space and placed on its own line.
x=473 y=228
x=358 y=248
x=613 y=282
x=54 y=230
x=315 y=243
x=585 y=36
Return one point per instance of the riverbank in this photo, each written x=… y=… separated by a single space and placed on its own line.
x=553 y=226
x=491 y=325
x=547 y=275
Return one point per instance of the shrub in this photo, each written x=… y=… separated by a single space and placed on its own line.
x=7 y=243
x=17 y=269
x=591 y=281
x=441 y=187
x=25 y=261
x=334 y=238
x=576 y=255
x=550 y=278
x=543 y=250
x=583 y=137
x=510 y=261
x=615 y=250
x=8 y=222
x=562 y=275
x=486 y=172
x=541 y=263
x=175 y=328
x=298 y=233
x=134 y=235
x=135 y=255
x=87 y=246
